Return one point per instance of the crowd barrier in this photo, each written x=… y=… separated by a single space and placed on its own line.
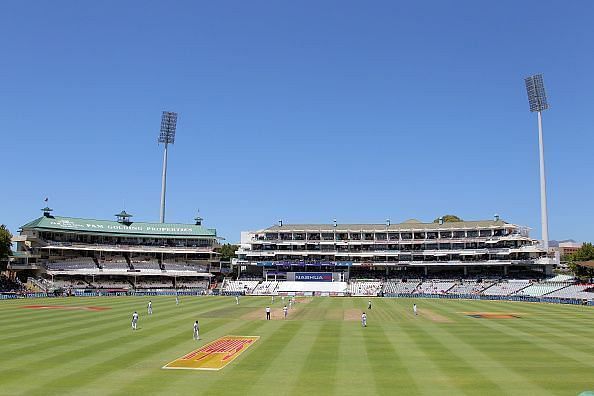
x=549 y=300
x=198 y=292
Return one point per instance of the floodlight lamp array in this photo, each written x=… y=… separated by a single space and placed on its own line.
x=537 y=98
x=168 y=125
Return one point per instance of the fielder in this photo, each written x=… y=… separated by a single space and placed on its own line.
x=267 y=313
x=149 y=307
x=176 y=300
x=134 y=320
x=237 y=300
x=415 y=309
x=364 y=319
x=196 y=331
x=285 y=311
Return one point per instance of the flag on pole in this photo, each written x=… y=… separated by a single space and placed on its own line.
x=46 y=199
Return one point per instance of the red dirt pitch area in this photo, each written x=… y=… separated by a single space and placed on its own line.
x=66 y=307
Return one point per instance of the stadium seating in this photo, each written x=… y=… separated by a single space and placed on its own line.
x=182 y=267
x=574 y=291
x=434 y=287
x=469 y=287
x=358 y=288
x=72 y=264
x=154 y=283
x=539 y=289
x=505 y=288
x=398 y=287
x=111 y=284
x=6 y=285
x=239 y=287
x=191 y=283
x=266 y=288
x=150 y=265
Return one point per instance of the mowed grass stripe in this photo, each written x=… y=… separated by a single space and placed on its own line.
x=428 y=361
x=76 y=350
x=467 y=345
x=528 y=332
x=467 y=355
x=287 y=364
x=271 y=344
x=352 y=358
x=87 y=366
x=54 y=318
x=87 y=328
x=388 y=369
x=142 y=382
x=526 y=356
x=317 y=375
x=46 y=316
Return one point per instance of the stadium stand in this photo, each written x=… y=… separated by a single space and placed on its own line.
x=238 y=287
x=505 y=288
x=146 y=265
x=399 y=287
x=191 y=283
x=152 y=282
x=6 y=285
x=182 y=267
x=115 y=264
x=539 y=289
x=469 y=287
x=107 y=283
x=359 y=288
x=72 y=264
x=582 y=292
x=266 y=288
x=434 y=287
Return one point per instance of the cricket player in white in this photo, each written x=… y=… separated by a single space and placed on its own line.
x=134 y=320
x=415 y=308
x=149 y=308
x=237 y=300
x=176 y=300
x=285 y=311
x=364 y=319
x=196 y=331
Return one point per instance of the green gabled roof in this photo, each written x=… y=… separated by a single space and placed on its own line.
x=107 y=227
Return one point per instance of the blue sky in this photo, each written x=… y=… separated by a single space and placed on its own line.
x=303 y=111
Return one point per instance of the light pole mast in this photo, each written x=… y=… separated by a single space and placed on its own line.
x=537 y=99
x=166 y=136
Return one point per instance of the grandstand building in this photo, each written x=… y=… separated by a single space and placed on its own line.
x=409 y=249
x=122 y=254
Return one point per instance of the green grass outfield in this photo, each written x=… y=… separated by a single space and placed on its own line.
x=321 y=350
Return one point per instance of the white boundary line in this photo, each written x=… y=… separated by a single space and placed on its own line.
x=204 y=346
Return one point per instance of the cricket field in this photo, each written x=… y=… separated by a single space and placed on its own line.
x=85 y=346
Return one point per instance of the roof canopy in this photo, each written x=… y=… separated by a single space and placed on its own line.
x=409 y=225
x=107 y=227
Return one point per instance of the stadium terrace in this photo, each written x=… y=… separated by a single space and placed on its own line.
x=409 y=249
x=75 y=253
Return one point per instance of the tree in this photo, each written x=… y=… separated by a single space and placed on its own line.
x=5 y=246
x=227 y=251
x=585 y=253
x=448 y=219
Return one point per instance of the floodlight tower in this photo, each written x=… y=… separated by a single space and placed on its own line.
x=537 y=99
x=166 y=136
